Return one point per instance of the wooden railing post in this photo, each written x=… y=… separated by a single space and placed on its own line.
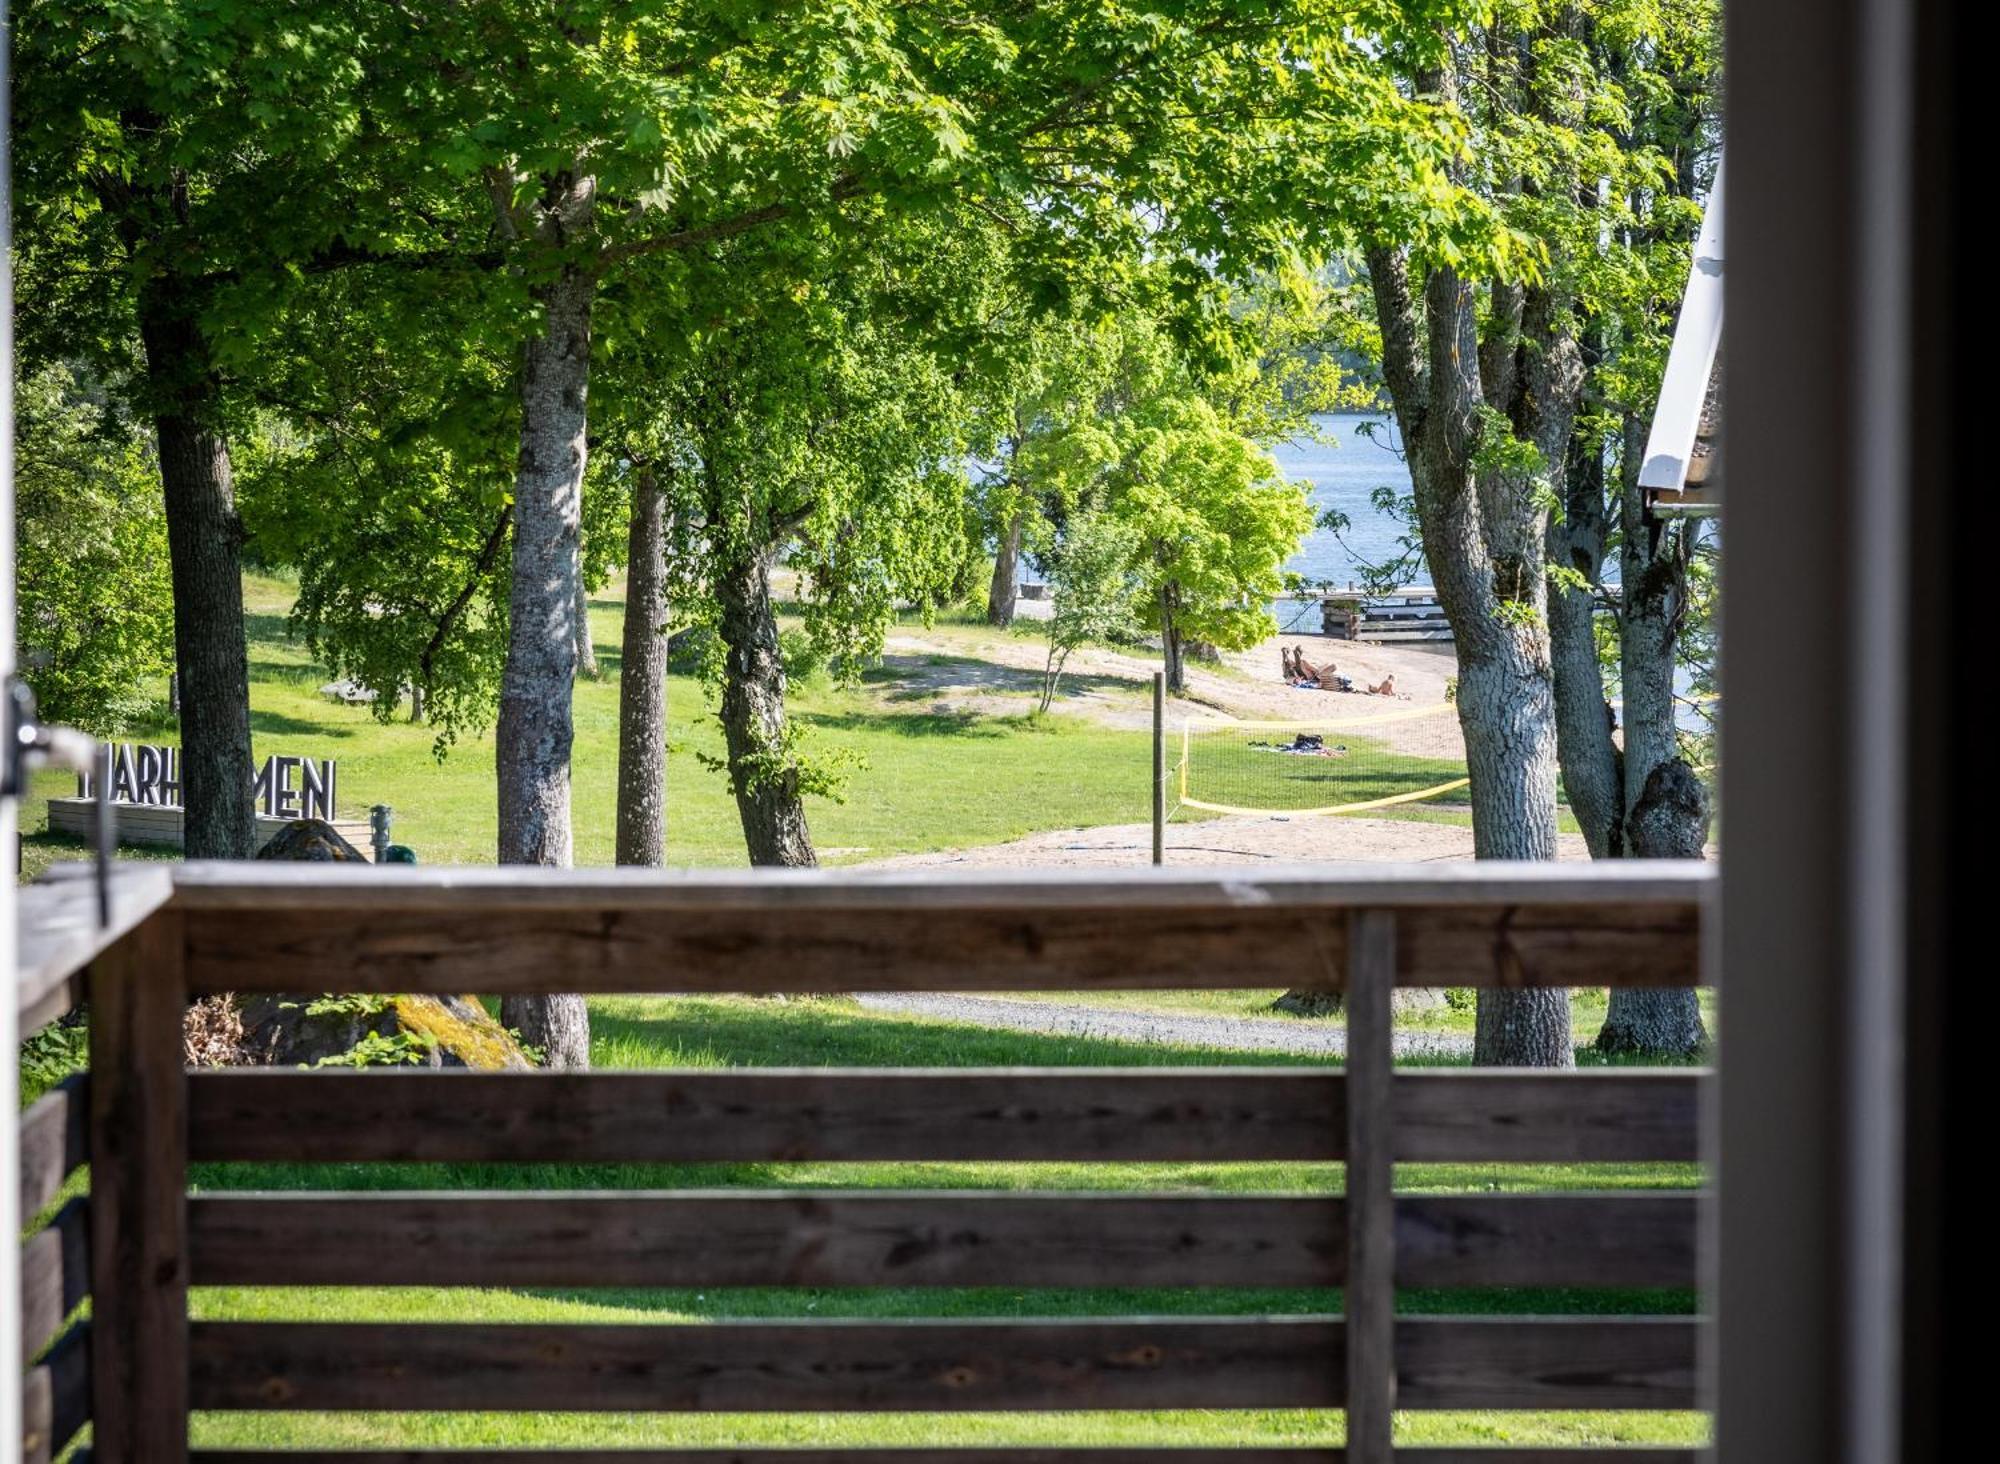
x=138 y=1197
x=1371 y=1242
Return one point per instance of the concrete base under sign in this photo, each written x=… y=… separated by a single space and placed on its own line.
x=140 y=823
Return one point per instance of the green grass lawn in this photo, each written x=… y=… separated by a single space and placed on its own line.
x=922 y=780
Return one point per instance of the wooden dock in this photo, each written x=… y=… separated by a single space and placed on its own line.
x=1411 y=613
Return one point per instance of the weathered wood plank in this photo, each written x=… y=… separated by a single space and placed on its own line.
x=55 y=1141
x=1550 y=944
x=925 y=1238
x=138 y=1216
x=1055 y=1114
x=776 y=1367
x=785 y=948
x=55 y=1274
x=800 y=1238
x=1597 y=1116
x=1547 y=1362
x=1370 y=1298
x=841 y=1366
x=491 y=947
x=60 y=934
x=864 y=1455
x=1446 y=1241
x=55 y=1397
x=271 y=887
x=1073 y=1114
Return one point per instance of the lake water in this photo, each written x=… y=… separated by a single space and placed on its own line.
x=1344 y=471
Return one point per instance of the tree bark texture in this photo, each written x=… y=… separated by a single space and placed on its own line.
x=642 y=681
x=1670 y=821
x=1172 y=648
x=535 y=728
x=761 y=773
x=586 y=648
x=1485 y=542
x=1004 y=593
x=1593 y=773
x=1666 y=807
x=204 y=544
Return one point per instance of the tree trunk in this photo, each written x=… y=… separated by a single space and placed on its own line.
x=761 y=772
x=204 y=544
x=1170 y=645
x=1005 y=591
x=586 y=649
x=1670 y=821
x=1506 y=710
x=642 y=682
x=535 y=729
x=1666 y=806
x=1593 y=774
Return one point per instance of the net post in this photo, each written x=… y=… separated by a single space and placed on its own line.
x=1159 y=767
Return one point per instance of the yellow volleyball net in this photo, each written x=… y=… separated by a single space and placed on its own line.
x=1351 y=761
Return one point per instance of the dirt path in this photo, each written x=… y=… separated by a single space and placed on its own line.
x=954 y=668
x=1245 y=1034
x=1223 y=841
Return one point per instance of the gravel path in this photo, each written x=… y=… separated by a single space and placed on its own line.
x=1247 y=1034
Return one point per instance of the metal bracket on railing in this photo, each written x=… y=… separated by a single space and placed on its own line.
x=28 y=743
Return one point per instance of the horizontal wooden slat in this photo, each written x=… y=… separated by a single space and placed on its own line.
x=1051 y=1455
x=57 y=918
x=800 y=1238
x=55 y=1274
x=780 y=1367
x=1076 y=1114
x=1596 y=1116
x=842 y=1366
x=1547 y=1362
x=492 y=932
x=55 y=1397
x=1053 y=1114
x=54 y=1141
x=265 y=888
x=935 y=1238
x=1547 y=1240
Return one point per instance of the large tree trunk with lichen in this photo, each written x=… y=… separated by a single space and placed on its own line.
x=1484 y=539
x=642 y=681
x=1666 y=807
x=535 y=728
x=1670 y=821
x=1005 y=591
x=762 y=774
x=204 y=547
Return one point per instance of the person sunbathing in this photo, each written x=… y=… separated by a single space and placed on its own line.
x=1386 y=687
x=1307 y=671
x=1291 y=672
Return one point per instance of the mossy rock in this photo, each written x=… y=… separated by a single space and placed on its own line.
x=422 y=1031
x=311 y=841
x=291 y=1030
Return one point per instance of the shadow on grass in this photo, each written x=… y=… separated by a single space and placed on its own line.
x=915 y=724
x=719 y=1303
x=831 y=1032
x=923 y=678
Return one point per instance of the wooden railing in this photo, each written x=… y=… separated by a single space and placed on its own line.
x=311 y=928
